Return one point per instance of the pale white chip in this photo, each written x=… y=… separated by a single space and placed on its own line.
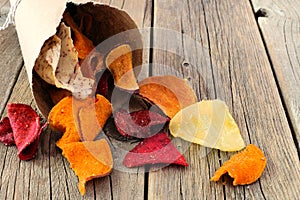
x=47 y=61
x=58 y=64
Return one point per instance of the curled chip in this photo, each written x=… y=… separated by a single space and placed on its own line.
x=26 y=128
x=93 y=117
x=208 y=123
x=63 y=117
x=245 y=167
x=119 y=62
x=157 y=149
x=93 y=60
x=169 y=93
x=6 y=133
x=89 y=159
x=46 y=64
x=58 y=65
x=139 y=124
x=82 y=44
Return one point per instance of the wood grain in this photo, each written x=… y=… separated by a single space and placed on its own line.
x=279 y=23
x=237 y=71
x=49 y=175
x=4 y=9
x=10 y=63
x=218 y=47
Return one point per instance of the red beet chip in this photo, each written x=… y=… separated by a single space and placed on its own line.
x=139 y=124
x=157 y=149
x=6 y=133
x=103 y=83
x=26 y=128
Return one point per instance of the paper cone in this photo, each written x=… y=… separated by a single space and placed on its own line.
x=37 y=20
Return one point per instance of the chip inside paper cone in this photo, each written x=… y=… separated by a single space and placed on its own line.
x=90 y=159
x=169 y=93
x=46 y=63
x=93 y=24
x=119 y=62
x=58 y=65
x=82 y=44
x=245 y=167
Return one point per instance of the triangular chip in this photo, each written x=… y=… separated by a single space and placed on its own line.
x=157 y=149
x=93 y=117
x=119 y=62
x=245 y=167
x=6 y=133
x=26 y=128
x=139 y=124
x=68 y=56
x=68 y=71
x=208 y=123
x=90 y=159
x=169 y=93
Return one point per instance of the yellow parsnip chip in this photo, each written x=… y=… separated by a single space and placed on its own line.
x=169 y=93
x=208 y=123
x=89 y=159
x=245 y=167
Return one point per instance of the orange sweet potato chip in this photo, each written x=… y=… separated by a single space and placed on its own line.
x=89 y=159
x=169 y=93
x=245 y=167
x=63 y=117
x=119 y=62
x=92 y=118
x=81 y=43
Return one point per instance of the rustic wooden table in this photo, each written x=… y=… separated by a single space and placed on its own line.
x=247 y=54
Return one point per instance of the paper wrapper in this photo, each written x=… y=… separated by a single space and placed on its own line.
x=36 y=21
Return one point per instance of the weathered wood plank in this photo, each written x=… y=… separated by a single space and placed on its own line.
x=129 y=184
x=4 y=9
x=188 y=57
x=10 y=63
x=280 y=28
x=64 y=181
x=236 y=70
x=49 y=175
x=22 y=179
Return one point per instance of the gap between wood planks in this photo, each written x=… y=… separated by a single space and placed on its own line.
x=146 y=175
x=263 y=13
